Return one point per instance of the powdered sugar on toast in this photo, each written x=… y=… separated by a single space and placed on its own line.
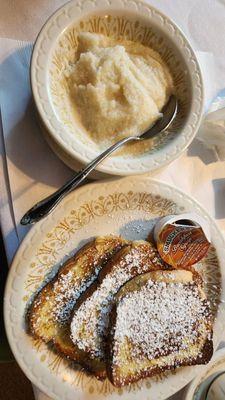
x=68 y=290
x=90 y=321
x=160 y=319
x=52 y=306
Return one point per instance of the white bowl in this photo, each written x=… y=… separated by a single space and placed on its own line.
x=135 y=20
x=197 y=388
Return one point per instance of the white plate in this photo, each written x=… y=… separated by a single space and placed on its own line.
x=135 y=20
x=128 y=207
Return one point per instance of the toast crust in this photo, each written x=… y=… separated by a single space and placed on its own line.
x=52 y=306
x=132 y=260
x=61 y=315
x=207 y=352
x=119 y=375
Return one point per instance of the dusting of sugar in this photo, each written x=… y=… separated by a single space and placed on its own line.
x=71 y=284
x=159 y=319
x=68 y=289
x=90 y=322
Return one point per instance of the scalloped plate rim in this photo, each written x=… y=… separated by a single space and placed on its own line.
x=43 y=225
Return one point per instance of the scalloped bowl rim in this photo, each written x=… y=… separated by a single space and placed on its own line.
x=78 y=150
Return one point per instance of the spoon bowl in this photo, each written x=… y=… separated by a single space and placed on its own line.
x=45 y=206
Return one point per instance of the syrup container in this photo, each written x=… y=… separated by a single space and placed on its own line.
x=182 y=240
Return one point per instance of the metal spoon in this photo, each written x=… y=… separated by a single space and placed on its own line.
x=45 y=206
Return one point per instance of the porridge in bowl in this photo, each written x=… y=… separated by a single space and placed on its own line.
x=117 y=87
x=78 y=133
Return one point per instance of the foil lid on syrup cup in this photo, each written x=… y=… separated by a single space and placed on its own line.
x=182 y=240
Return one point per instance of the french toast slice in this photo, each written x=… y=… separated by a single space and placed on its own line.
x=51 y=308
x=160 y=320
x=91 y=314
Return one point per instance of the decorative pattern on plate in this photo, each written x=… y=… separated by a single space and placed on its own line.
x=51 y=99
x=56 y=240
x=93 y=210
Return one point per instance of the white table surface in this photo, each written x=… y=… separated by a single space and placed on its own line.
x=203 y=21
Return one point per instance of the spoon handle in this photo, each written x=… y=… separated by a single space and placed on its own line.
x=45 y=206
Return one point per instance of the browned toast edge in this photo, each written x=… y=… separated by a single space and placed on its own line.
x=203 y=358
x=89 y=363
x=40 y=296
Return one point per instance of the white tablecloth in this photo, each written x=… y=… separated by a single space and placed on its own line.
x=28 y=168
